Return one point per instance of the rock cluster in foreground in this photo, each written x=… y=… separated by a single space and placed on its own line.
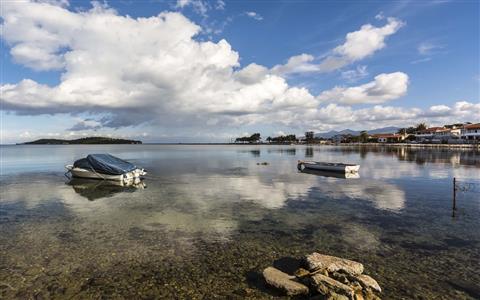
x=325 y=277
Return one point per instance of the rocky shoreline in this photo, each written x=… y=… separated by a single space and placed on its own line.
x=325 y=277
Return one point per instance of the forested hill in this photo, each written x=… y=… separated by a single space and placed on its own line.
x=87 y=140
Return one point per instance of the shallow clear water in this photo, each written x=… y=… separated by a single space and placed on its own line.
x=208 y=219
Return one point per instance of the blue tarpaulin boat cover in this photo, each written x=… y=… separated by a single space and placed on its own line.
x=105 y=164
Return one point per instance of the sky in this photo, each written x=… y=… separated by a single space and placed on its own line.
x=210 y=71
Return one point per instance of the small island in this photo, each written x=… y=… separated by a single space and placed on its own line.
x=86 y=141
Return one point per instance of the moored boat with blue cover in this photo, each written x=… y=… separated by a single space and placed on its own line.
x=105 y=166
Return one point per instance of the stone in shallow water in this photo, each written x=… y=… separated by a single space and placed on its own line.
x=284 y=282
x=369 y=282
x=326 y=285
x=317 y=261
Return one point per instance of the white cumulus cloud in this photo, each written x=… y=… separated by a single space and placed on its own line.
x=366 y=41
x=358 y=45
x=135 y=70
x=297 y=64
x=154 y=71
x=383 y=88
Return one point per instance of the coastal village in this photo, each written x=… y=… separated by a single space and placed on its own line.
x=461 y=133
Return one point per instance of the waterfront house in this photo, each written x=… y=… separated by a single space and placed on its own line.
x=388 y=137
x=438 y=134
x=428 y=135
x=471 y=132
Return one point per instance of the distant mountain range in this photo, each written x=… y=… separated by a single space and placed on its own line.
x=332 y=133
x=87 y=140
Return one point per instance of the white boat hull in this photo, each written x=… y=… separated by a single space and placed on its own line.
x=331 y=167
x=84 y=173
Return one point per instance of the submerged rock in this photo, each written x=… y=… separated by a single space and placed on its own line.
x=324 y=277
x=283 y=281
x=368 y=282
x=325 y=285
x=317 y=261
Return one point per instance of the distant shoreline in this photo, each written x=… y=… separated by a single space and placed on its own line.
x=451 y=146
x=83 y=141
x=445 y=146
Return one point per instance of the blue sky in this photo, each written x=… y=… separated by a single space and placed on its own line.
x=198 y=70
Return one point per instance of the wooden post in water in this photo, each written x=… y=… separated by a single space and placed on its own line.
x=454 y=194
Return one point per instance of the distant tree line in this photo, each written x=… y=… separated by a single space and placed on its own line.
x=413 y=129
x=254 y=138
x=290 y=138
x=363 y=137
x=311 y=139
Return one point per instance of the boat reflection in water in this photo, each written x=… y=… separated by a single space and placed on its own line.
x=94 y=189
x=348 y=175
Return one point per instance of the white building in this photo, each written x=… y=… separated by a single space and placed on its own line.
x=388 y=137
x=471 y=132
x=438 y=134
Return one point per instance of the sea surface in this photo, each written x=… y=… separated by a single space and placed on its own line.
x=209 y=218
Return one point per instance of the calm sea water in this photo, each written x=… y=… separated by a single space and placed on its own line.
x=208 y=219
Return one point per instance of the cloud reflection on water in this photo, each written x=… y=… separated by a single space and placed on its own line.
x=206 y=199
x=382 y=195
x=206 y=204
